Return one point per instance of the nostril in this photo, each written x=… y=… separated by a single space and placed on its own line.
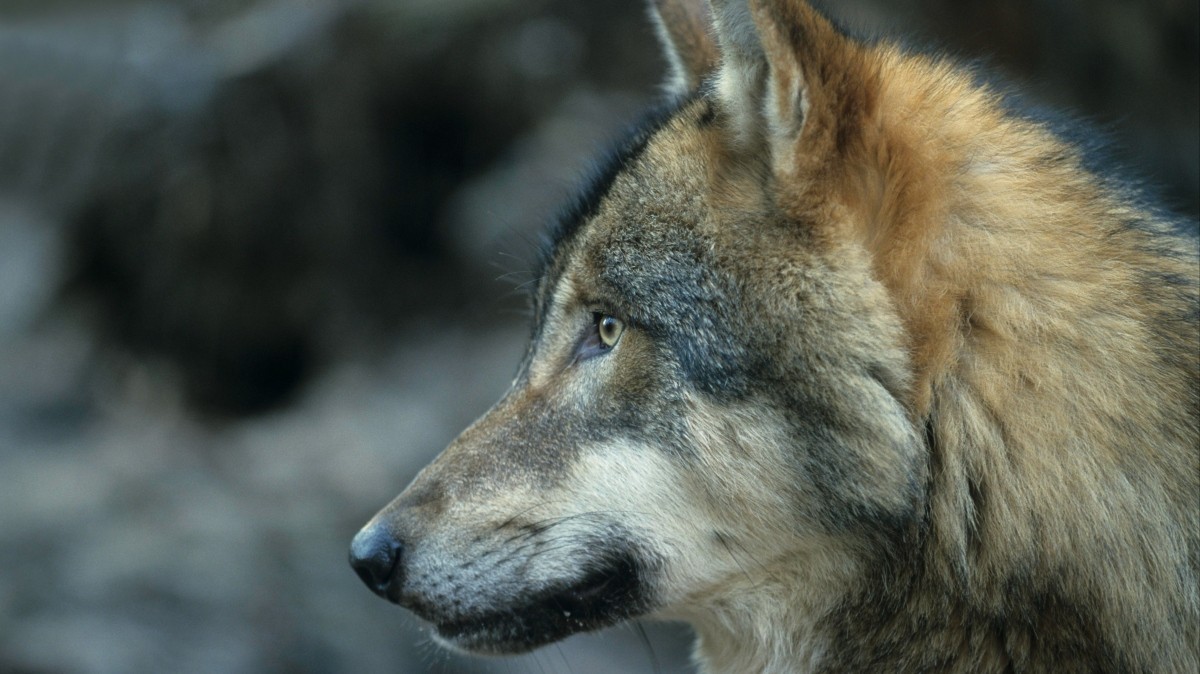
x=376 y=556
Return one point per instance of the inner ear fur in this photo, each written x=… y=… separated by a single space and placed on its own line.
x=791 y=80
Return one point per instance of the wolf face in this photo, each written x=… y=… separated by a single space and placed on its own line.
x=810 y=372
x=669 y=417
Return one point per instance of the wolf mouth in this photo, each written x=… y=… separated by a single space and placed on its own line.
x=607 y=594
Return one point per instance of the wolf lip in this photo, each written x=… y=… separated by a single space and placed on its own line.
x=601 y=598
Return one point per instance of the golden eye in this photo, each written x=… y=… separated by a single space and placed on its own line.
x=610 y=329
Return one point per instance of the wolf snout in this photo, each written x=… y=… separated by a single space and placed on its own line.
x=378 y=558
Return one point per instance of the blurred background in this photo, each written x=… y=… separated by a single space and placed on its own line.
x=260 y=260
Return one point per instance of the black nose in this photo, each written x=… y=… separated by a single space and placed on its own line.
x=377 y=558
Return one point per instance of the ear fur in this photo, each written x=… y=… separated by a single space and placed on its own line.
x=743 y=65
x=684 y=31
x=787 y=79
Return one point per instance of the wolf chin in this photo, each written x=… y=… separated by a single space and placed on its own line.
x=848 y=365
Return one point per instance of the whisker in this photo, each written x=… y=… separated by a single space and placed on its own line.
x=728 y=548
x=562 y=654
x=640 y=630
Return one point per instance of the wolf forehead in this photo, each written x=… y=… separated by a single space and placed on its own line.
x=641 y=242
x=645 y=178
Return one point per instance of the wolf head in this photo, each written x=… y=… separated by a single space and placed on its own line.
x=835 y=312
x=716 y=389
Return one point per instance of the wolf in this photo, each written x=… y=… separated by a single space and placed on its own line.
x=849 y=364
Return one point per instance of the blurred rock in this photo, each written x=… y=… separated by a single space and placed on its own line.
x=249 y=192
x=30 y=266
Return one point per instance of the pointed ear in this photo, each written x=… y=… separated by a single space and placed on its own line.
x=787 y=78
x=685 y=31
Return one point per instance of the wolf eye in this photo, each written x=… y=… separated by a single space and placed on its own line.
x=601 y=335
x=609 y=328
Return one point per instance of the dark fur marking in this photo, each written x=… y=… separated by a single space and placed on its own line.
x=888 y=380
x=907 y=614
x=708 y=115
x=822 y=430
x=680 y=299
x=978 y=496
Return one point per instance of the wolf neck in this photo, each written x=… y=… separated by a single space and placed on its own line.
x=881 y=619
x=766 y=626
